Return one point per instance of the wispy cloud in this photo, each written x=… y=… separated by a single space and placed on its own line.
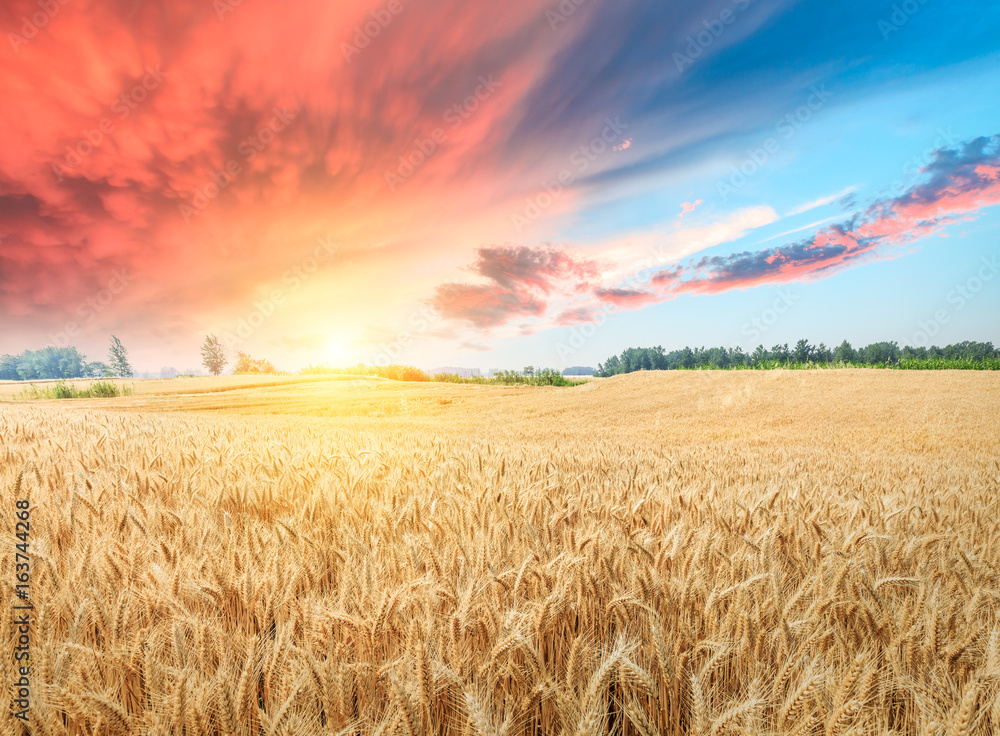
x=689 y=207
x=810 y=226
x=822 y=201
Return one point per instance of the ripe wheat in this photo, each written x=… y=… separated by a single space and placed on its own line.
x=756 y=554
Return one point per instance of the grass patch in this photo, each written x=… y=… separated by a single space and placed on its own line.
x=65 y=390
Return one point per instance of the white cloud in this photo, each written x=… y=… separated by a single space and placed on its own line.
x=800 y=229
x=821 y=202
x=659 y=247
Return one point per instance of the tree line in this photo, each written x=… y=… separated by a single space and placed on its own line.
x=54 y=363
x=968 y=355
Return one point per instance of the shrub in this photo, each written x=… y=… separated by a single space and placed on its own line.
x=64 y=390
x=247 y=365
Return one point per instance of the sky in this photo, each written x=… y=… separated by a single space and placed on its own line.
x=495 y=184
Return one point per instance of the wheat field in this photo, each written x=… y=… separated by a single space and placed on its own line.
x=809 y=553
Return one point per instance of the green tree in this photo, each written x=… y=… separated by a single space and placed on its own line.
x=803 y=351
x=213 y=356
x=97 y=369
x=49 y=362
x=118 y=359
x=880 y=353
x=845 y=353
x=8 y=368
x=781 y=353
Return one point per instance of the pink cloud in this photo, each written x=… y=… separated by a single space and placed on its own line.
x=627 y=298
x=688 y=207
x=578 y=316
x=519 y=280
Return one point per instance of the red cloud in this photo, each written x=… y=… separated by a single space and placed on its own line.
x=115 y=115
x=519 y=278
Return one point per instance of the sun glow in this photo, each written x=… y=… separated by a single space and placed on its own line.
x=334 y=352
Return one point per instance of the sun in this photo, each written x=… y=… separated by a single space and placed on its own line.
x=334 y=351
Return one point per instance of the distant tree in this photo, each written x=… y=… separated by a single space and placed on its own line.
x=803 y=352
x=118 y=359
x=781 y=353
x=579 y=370
x=611 y=367
x=880 y=353
x=49 y=362
x=529 y=371
x=248 y=365
x=877 y=355
x=716 y=358
x=8 y=368
x=737 y=357
x=213 y=356
x=845 y=353
x=687 y=358
x=97 y=369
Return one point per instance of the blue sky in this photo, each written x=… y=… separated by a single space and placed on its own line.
x=892 y=103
